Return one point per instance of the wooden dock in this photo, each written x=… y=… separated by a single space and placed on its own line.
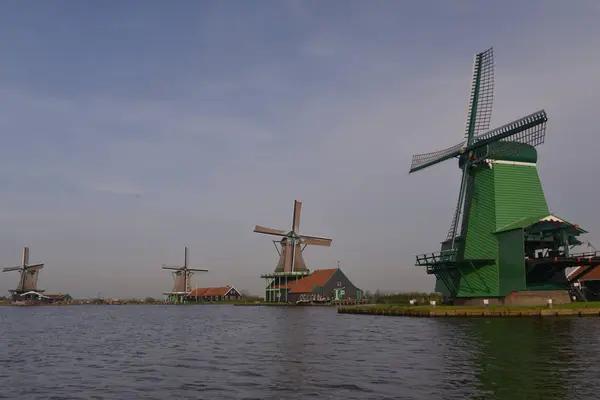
x=426 y=311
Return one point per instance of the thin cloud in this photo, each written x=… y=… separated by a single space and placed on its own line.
x=215 y=152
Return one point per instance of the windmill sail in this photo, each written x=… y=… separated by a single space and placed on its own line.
x=29 y=274
x=479 y=115
x=290 y=256
x=481 y=99
x=182 y=274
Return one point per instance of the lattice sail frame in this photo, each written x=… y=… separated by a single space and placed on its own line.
x=527 y=130
x=481 y=99
x=479 y=115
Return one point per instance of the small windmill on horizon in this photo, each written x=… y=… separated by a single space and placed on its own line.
x=291 y=265
x=293 y=243
x=29 y=275
x=181 y=279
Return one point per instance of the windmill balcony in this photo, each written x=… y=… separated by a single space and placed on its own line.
x=432 y=259
x=285 y=274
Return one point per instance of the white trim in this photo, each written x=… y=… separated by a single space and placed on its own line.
x=549 y=218
x=34 y=292
x=510 y=162
x=573 y=272
x=552 y=218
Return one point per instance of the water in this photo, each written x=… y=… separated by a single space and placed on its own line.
x=226 y=352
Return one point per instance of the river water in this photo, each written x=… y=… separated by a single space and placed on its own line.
x=227 y=352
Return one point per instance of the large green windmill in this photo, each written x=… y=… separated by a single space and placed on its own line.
x=502 y=238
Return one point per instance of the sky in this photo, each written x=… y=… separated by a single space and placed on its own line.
x=131 y=129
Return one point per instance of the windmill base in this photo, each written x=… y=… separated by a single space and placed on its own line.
x=525 y=298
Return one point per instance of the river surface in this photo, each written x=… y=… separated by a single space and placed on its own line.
x=227 y=352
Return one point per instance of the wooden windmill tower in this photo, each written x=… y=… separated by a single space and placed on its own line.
x=28 y=275
x=291 y=263
x=181 y=279
x=502 y=239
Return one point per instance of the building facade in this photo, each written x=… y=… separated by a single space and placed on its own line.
x=37 y=297
x=321 y=286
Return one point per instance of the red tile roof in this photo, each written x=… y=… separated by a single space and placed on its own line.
x=319 y=277
x=212 y=291
x=593 y=275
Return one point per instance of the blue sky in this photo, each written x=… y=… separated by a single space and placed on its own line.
x=130 y=129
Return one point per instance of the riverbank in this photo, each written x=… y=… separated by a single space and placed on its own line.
x=572 y=309
x=122 y=303
x=264 y=304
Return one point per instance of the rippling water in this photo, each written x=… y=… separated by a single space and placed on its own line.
x=226 y=352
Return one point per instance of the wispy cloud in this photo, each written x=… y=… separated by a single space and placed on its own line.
x=195 y=139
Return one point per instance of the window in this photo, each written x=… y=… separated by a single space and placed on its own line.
x=339 y=283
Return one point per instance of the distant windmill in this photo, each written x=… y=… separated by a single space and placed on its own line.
x=29 y=275
x=182 y=275
x=290 y=256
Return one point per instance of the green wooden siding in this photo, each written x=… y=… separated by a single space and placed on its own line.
x=480 y=240
x=519 y=193
x=511 y=248
x=501 y=196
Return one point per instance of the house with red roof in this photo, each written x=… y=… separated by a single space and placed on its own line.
x=588 y=280
x=214 y=294
x=322 y=285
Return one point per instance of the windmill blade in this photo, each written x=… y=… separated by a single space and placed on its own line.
x=297 y=212
x=315 y=242
x=287 y=263
x=197 y=269
x=293 y=264
x=172 y=268
x=481 y=99
x=8 y=269
x=420 y=161
x=457 y=219
x=315 y=237
x=269 y=231
x=34 y=267
x=529 y=130
x=25 y=255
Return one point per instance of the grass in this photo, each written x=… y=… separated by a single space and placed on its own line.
x=577 y=305
x=572 y=309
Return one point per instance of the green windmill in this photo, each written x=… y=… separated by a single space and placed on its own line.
x=502 y=240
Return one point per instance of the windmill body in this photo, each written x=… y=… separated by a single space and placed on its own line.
x=503 y=243
x=28 y=276
x=291 y=265
x=182 y=284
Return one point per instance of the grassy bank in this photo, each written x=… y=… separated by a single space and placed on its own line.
x=574 y=309
x=262 y=303
x=404 y=298
x=122 y=303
